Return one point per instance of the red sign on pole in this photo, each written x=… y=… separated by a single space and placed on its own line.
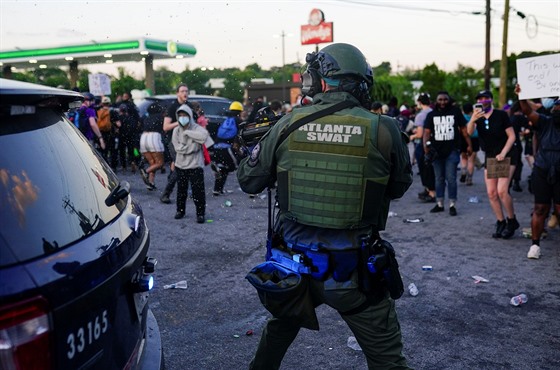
x=317 y=34
x=317 y=31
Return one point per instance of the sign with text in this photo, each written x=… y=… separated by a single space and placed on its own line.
x=99 y=84
x=539 y=77
x=317 y=34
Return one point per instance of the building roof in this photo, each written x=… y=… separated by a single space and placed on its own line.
x=134 y=50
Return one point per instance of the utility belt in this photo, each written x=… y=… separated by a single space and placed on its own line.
x=375 y=261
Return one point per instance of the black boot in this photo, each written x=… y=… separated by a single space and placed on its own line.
x=511 y=226
x=500 y=226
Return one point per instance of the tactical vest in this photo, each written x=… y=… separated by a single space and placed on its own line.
x=331 y=173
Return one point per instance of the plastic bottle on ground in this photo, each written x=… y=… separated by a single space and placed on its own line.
x=519 y=299
x=178 y=285
x=412 y=289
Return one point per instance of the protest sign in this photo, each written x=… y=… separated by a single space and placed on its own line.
x=539 y=77
x=99 y=84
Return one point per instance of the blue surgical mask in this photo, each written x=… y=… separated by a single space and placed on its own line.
x=184 y=120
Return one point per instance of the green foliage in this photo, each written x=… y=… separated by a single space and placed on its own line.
x=125 y=83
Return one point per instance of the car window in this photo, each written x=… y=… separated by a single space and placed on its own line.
x=52 y=185
x=214 y=108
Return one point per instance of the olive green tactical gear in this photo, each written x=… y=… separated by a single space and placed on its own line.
x=338 y=172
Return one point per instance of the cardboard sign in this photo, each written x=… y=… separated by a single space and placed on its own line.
x=539 y=77
x=496 y=169
x=99 y=84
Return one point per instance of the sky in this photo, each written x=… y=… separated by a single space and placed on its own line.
x=236 y=33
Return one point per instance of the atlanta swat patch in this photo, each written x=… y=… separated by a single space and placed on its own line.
x=254 y=158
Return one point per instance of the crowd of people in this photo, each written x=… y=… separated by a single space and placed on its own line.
x=447 y=138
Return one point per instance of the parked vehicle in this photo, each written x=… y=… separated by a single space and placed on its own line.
x=75 y=271
x=214 y=108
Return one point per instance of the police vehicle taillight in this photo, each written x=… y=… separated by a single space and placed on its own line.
x=24 y=335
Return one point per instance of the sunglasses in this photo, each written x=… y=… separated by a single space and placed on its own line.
x=486 y=124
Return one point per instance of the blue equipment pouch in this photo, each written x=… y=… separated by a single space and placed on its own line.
x=320 y=264
x=344 y=264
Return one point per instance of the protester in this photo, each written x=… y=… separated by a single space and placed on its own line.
x=87 y=121
x=334 y=198
x=224 y=152
x=468 y=161
x=169 y=123
x=546 y=171
x=442 y=129
x=497 y=140
x=151 y=144
x=109 y=124
x=188 y=139
x=427 y=175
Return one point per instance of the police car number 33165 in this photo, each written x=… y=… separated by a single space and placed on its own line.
x=87 y=334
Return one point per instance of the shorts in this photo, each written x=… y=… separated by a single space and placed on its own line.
x=513 y=156
x=543 y=190
x=150 y=142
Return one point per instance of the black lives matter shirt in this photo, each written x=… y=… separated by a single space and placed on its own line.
x=444 y=126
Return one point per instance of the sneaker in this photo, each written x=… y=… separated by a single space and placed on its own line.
x=500 y=226
x=463 y=178
x=469 y=180
x=511 y=226
x=165 y=199
x=534 y=252
x=179 y=215
x=151 y=186
x=144 y=175
x=437 y=209
x=452 y=211
x=217 y=193
x=200 y=219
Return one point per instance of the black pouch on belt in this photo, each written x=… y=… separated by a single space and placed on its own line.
x=391 y=273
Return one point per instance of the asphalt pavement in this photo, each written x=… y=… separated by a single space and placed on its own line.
x=455 y=322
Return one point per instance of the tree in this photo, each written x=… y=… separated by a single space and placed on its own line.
x=433 y=79
x=125 y=83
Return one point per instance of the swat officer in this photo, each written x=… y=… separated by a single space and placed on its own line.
x=336 y=176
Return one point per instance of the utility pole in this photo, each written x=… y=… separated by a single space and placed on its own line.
x=504 y=61
x=487 y=58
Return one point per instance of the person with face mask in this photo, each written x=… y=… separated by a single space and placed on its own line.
x=188 y=138
x=497 y=140
x=546 y=170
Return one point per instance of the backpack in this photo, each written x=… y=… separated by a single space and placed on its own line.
x=104 y=120
x=83 y=122
x=228 y=129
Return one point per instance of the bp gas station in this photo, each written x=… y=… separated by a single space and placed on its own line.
x=136 y=50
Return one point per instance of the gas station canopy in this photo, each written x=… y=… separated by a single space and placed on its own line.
x=136 y=50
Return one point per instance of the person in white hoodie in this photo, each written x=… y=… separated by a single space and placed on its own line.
x=188 y=138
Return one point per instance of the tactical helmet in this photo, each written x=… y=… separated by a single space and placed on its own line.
x=236 y=106
x=341 y=60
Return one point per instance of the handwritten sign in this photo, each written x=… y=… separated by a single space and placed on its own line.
x=99 y=84
x=539 y=77
x=496 y=169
